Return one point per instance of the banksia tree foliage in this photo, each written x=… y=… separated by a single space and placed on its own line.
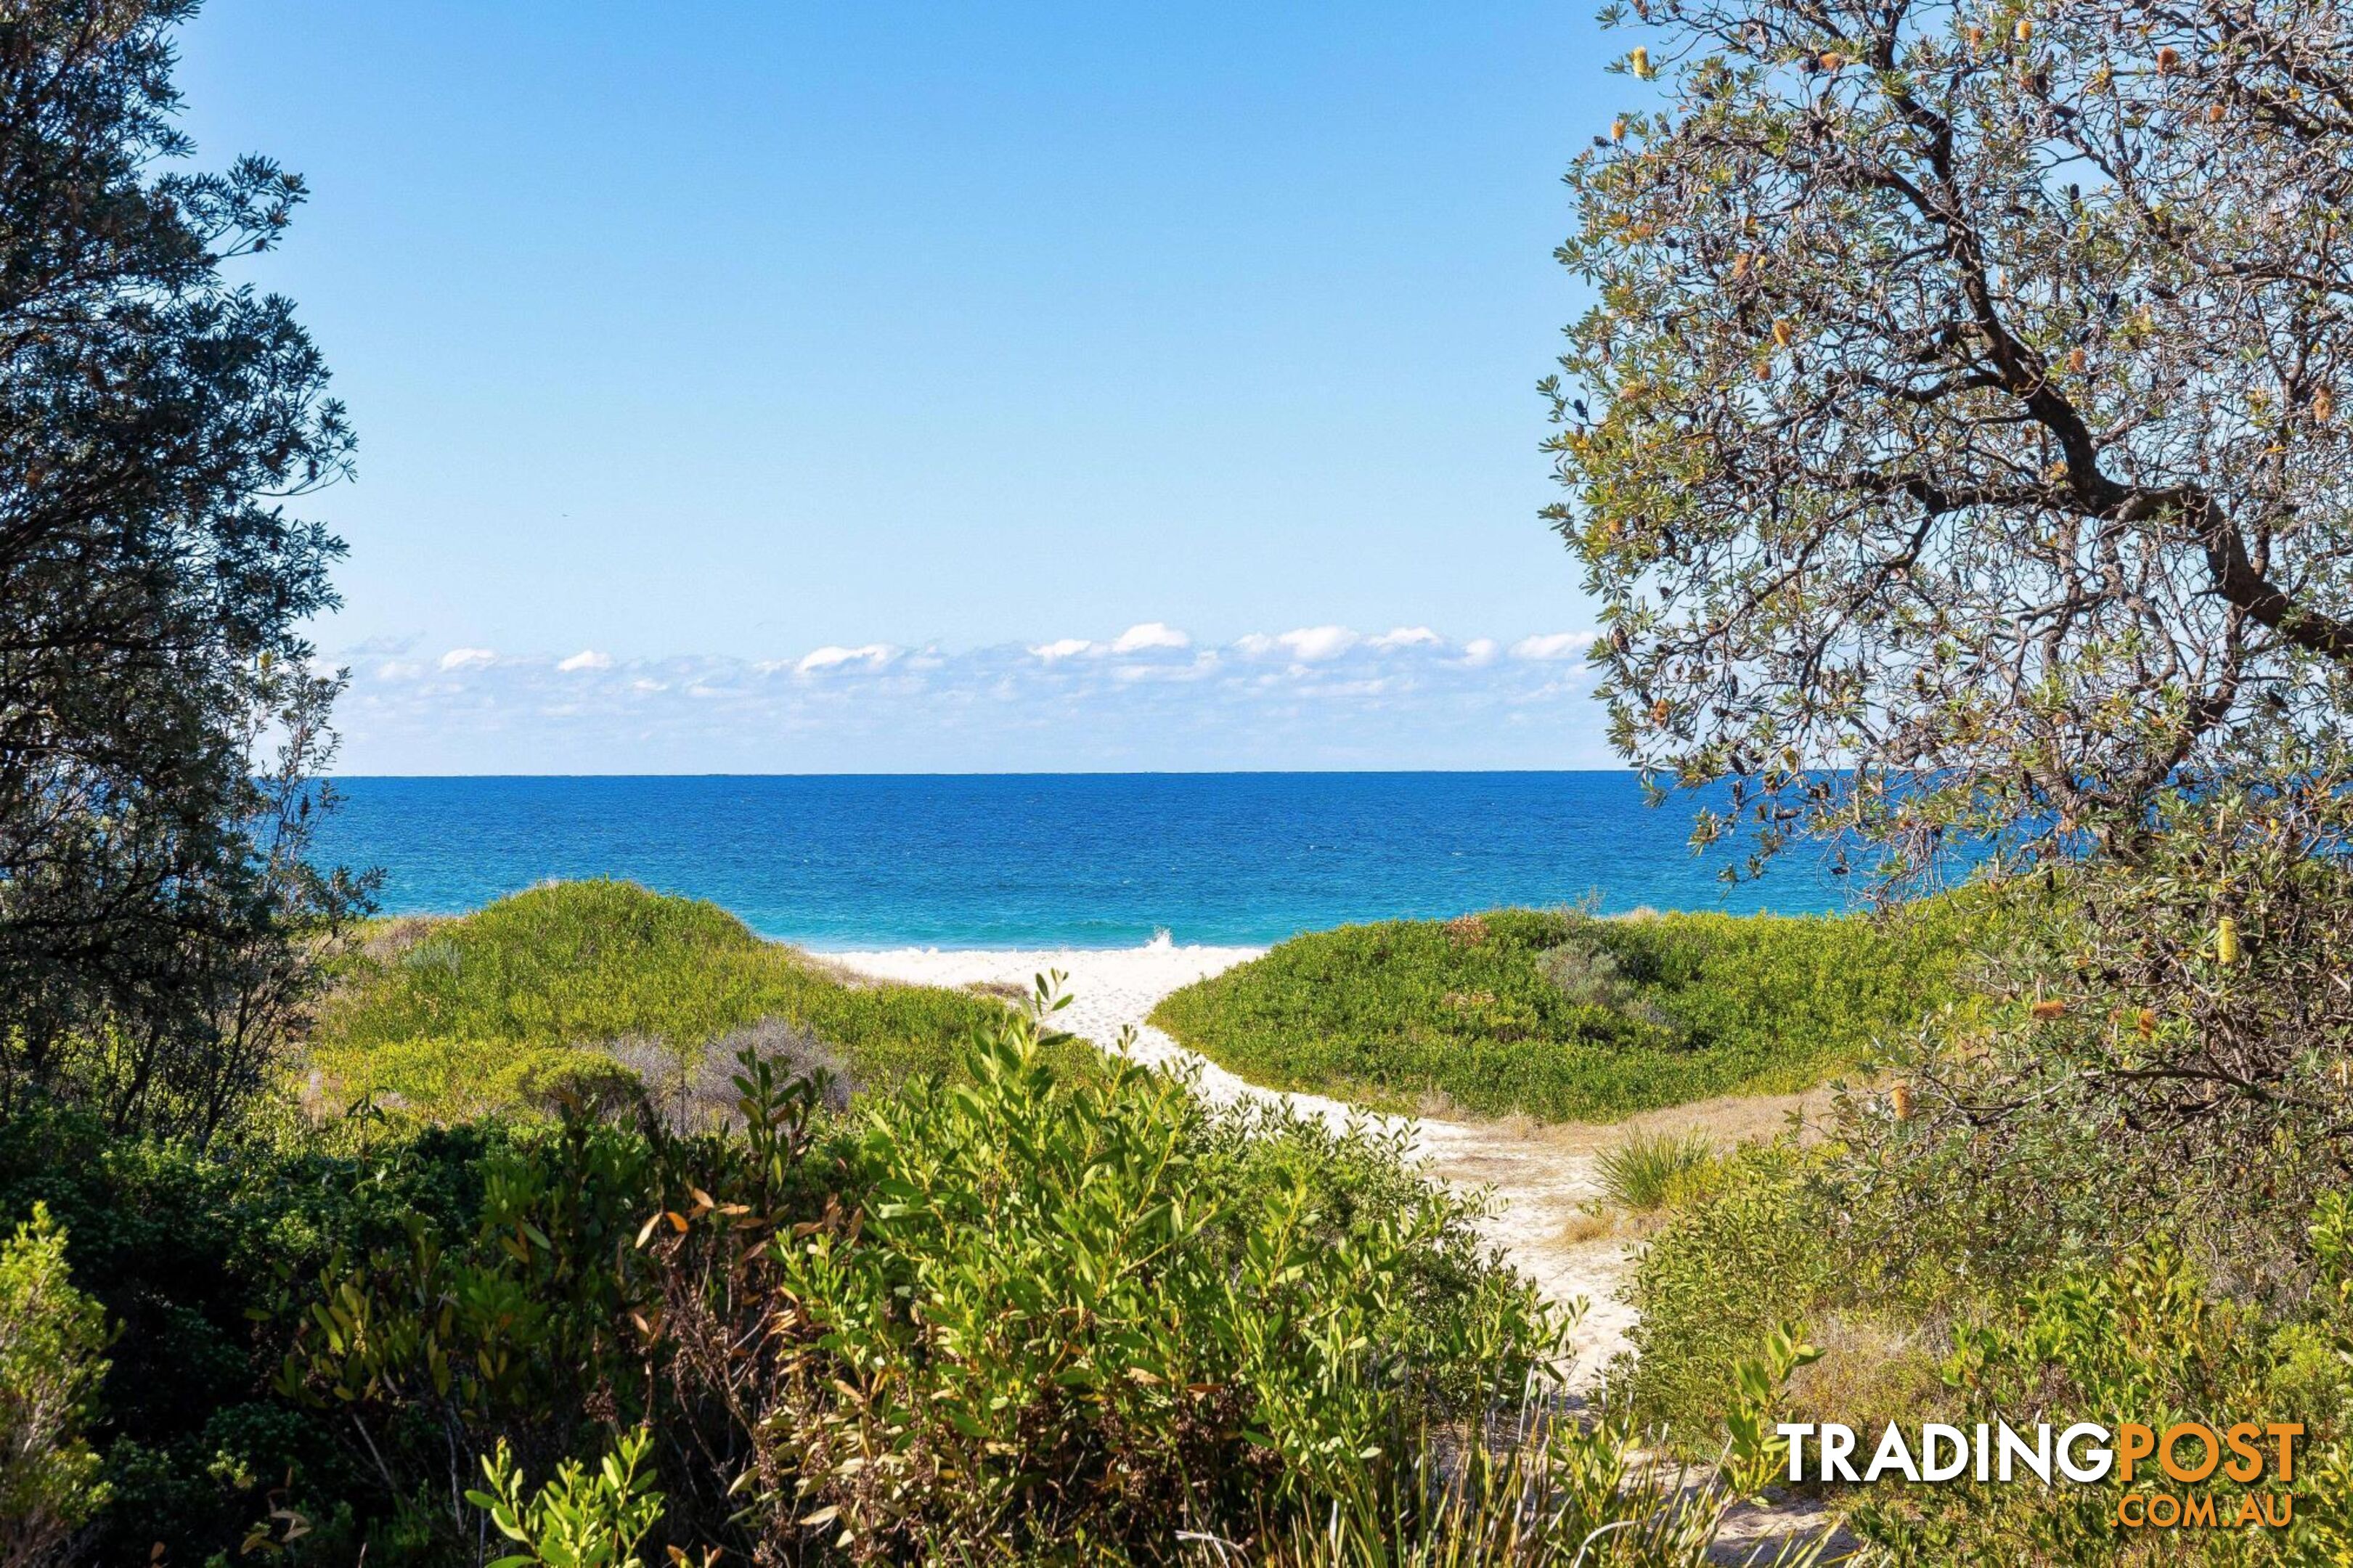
x=1959 y=436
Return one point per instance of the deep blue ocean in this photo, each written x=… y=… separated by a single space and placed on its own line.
x=1083 y=861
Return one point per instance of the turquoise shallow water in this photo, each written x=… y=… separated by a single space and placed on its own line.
x=1083 y=861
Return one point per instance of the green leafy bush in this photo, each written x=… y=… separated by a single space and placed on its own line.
x=2142 y=1339
x=1562 y=1016
x=1085 y=1316
x=582 y=1519
x=534 y=1327
x=202 y=1259
x=1714 y=1284
x=1075 y=1311
x=52 y=1357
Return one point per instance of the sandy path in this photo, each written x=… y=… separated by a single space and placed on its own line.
x=1540 y=1179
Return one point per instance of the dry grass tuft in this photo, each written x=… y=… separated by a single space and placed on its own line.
x=1467 y=931
x=390 y=939
x=694 y=1089
x=1587 y=1226
x=1871 y=1372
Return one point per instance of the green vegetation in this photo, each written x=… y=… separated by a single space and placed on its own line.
x=1651 y=1171
x=578 y=1520
x=592 y=987
x=52 y=1344
x=2117 y=1187
x=1136 y=1317
x=2066 y=574
x=1565 y=1016
x=1025 y=1314
x=162 y=721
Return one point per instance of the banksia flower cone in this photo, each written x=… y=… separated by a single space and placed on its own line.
x=2226 y=940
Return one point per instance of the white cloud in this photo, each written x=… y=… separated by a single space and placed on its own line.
x=1310 y=645
x=1142 y=638
x=1150 y=634
x=1317 y=695
x=874 y=655
x=1553 y=645
x=466 y=658
x=1200 y=667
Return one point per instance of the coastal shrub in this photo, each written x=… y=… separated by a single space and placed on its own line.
x=1712 y=1284
x=1562 y=1016
x=458 y=1016
x=2143 y=1338
x=1583 y=970
x=199 y=1257
x=2168 y=1039
x=694 y=1089
x=583 y=1517
x=52 y=1358
x=1079 y=1317
x=455 y=1078
x=533 y=1328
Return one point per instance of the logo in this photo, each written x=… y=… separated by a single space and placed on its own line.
x=2189 y=1452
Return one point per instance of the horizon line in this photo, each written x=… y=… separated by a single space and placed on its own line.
x=1014 y=774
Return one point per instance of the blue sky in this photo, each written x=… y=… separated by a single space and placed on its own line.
x=701 y=338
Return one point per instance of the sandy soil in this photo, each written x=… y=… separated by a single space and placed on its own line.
x=1541 y=1177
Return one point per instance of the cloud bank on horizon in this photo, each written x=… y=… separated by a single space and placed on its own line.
x=1147 y=698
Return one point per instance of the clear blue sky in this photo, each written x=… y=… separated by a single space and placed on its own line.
x=701 y=339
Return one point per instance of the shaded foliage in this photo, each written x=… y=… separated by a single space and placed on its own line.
x=160 y=723
x=52 y=1356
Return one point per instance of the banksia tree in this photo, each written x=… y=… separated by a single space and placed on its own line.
x=1952 y=439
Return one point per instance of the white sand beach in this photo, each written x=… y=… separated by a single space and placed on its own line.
x=1539 y=1177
